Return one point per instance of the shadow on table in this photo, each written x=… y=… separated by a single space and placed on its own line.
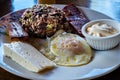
x=5 y=7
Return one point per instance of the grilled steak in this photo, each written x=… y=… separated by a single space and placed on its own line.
x=76 y=17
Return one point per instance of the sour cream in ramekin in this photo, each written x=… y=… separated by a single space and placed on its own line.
x=101 y=30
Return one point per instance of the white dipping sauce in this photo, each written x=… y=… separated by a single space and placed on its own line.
x=101 y=30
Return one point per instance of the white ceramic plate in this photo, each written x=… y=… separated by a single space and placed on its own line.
x=103 y=62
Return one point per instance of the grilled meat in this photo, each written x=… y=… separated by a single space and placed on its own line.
x=76 y=17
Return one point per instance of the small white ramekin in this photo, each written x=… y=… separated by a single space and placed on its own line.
x=102 y=43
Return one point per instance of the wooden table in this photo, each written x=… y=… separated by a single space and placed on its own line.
x=108 y=7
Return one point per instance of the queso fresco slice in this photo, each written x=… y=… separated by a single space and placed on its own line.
x=27 y=56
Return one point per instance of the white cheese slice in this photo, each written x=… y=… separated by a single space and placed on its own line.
x=27 y=56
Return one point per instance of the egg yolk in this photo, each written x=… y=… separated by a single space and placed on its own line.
x=70 y=46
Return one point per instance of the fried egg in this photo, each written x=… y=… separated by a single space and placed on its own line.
x=70 y=50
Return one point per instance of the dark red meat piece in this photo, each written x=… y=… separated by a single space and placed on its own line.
x=76 y=17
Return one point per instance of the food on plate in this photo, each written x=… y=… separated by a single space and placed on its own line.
x=27 y=56
x=62 y=44
x=101 y=30
x=76 y=17
x=15 y=30
x=44 y=20
x=68 y=49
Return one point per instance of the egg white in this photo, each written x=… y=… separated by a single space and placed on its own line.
x=69 y=58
